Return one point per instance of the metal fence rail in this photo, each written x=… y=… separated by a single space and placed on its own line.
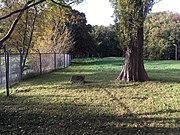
x=36 y=64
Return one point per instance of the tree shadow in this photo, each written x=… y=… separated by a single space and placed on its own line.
x=100 y=61
x=164 y=75
x=37 y=117
x=119 y=102
x=31 y=115
x=160 y=62
x=94 y=76
x=56 y=77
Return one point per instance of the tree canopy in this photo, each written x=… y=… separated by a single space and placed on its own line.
x=162 y=30
x=26 y=4
x=106 y=41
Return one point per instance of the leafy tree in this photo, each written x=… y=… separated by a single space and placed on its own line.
x=53 y=35
x=107 y=43
x=84 y=42
x=20 y=11
x=130 y=16
x=17 y=22
x=21 y=38
x=162 y=30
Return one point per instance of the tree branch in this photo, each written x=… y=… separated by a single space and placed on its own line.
x=21 y=11
x=23 y=8
x=62 y=5
x=11 y=28
x=31 y=35
x=17 y=20
x=164 y=37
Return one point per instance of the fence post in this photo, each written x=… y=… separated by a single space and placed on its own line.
x=40 y=64
x=6 y=55
x=68 y=59
x=1 y=76
x=20 y=67
x=64 y=60
x=55 y=61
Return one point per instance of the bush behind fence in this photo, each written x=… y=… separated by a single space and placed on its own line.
x=36 y=64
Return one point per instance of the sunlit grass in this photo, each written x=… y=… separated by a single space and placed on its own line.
x=52 y=105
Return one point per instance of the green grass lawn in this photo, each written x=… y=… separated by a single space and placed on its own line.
x=102 y=106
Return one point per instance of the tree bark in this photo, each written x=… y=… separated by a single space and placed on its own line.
x=31 y=37
x=133 y=68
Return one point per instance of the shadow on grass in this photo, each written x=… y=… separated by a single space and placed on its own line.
x=97 y=80
x=165 y=75
x=60 y=77
x=94 y=76
x=100 y=61
x=36 y=117
x=55 y=77
x=119 y=102
x=161 y=112
x=161 y=62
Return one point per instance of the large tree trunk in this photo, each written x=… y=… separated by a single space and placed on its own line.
x=133 y=68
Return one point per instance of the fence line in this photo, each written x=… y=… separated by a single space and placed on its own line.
x=12 y=71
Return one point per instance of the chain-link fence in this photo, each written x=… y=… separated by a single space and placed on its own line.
x=36 y=64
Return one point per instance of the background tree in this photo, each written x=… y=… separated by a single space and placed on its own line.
x=20 y=11
x=107 y=43
x=18 y=23
x=53 y=35
x=75 y=24
x=131 y=16
x=84 y=42
x=21 y=39
x=162 y=30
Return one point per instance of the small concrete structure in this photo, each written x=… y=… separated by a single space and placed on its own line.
x=22 y=90
x=77 y=79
